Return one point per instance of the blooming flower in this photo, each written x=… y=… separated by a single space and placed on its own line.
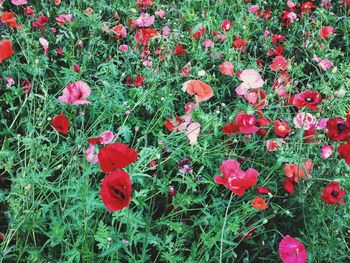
x=279 y=63
x=332 y=194
x=259 y=203
x=235 y=179
x=19 y=2
x=292 y=250
x=246 y=123
x=61 y=123
x=144 y=20
x=200 y=90
x=64 y=18
x=338 y=129
x=76 y=93
x=45 y=44
x=326 y=31
x=304 y=120
x=184 y=165
x=294 y=171
x=227 y=68
x=326 y=151
x=116 y=190
x=281 y=128
x=226 y=25
x=309 y=99
x=107 y=137
x=90 y=155
x=116 y=156
x=5 y=49
x=251 y=79
x=344 y=151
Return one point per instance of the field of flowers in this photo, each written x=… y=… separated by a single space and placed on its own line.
x=175 y=131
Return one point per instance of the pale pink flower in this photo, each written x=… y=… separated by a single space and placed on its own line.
x=325 y=64
x=144 y=20
x=107 y=137
x=10 y=82
x=166 y=31
x=45 y=44
x=64 y=18
x=124 y=48
x=253 y=8
x=326 y=151
x=76 y=93
x=290 y=4
x=251 y=80
x=147 y=63
x=227 y=68
x=304 y=120
x=207 y=43
x=160 y=13
x=90 y=156
x=266 y=33
x=192 y=132
x=18 y=2
x=292 y=17
x=326 y=4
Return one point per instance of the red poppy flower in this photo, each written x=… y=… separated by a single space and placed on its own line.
x=8 y=18
x=170 y=124
x=332 y=194
x=199 y=33
x=294 y=171
x=179 y=50
x=281 y=128
x=230 y=128
x=292 y=250
x=247 y=123
x=116 y=190
x=226 y=25
x=279 y=63
x=326 y=32
x=94 y=141
x=61 y=123
x=227 y=68
x=144 y=35
x=5 y=49
x=289 y=185
x=263 y=190
x=201 y=90
x=309 y=99
x=277 y=38
x=259 y=203
x=344 y=151
x=338 y=129
x=309 y=135
x=239 y=43
x=235 y=179
x=116 y=156
x=307 y=7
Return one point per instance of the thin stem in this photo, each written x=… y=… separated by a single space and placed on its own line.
x=223 y=227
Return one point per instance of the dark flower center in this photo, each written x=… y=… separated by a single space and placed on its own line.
x=334 y=193
x=309 y=99
x=341 y=127
x=119 y=194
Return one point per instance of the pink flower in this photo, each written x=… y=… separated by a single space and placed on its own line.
x=290 y=4
x=10 y=82
x=192 y=132
x=45 y=44
x=160 y=13
x=235 y=179
x=322 y=124
x=253 y=8
x=107 y=137
x=64 y=18
x=227 y=68
x=251 y=80
x=144 y=20
x=304 y=120
x=207 y=43
x=247 y=123
x=166 y=31
x=76 y=93
x=325 y=64
x=326 y=32
x=123 y=48
x=91 y=157
x=19 y=2
x=326 y=151
x=292 y=250
x=279 y=63
x=274 y=144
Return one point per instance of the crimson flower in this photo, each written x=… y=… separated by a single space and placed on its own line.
x=338 y=129
x=144 y=35
x=326 y=31
x=259 y=203
x=230 y=128
x=281 y=128
x=279 y=63
x=307 y=7
x=199 y=33
x=292 y=250
x=226 y=25
x=61 y=123
x=116 y=190
x=179 y=50
x=332 y=194
x=116 y=156
x=9 y=19
x=235 y=179
x=344 y=151
x=239 y=43
x=170 y=124
x=309 y=99
x=5 y=49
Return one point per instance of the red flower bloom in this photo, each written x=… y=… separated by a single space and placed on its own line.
x=277 y=38
x=230 y=128
x=42 y=20
x=307 y=7
x=199 y=33
x=326 y=32
x=259 y=203
x=226 y=25
x=94 y=141
x=61 y=123
x=292 y=250
x=338 y=129
x=116 y=190
x=239 y=43
x=246 y=123
x=235 y=179
x=279 y=63
x=294 y=171
x=116 y=156
x=5 y=49
x=263 y=190
x=344 y=151
x=309 y=99
x=170 y=125
x=289 y=185
x=281 y=128
x=179 y=50
x=9 y=19
x=332 y=194
x=144 y=35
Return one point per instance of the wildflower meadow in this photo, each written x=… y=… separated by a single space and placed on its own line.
x=175 y=131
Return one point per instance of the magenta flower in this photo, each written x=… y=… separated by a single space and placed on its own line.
x=292 y=250
x=144 y=20
x=76 y=93
x=326 y=151
x=19 y=2
x=107 y=137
